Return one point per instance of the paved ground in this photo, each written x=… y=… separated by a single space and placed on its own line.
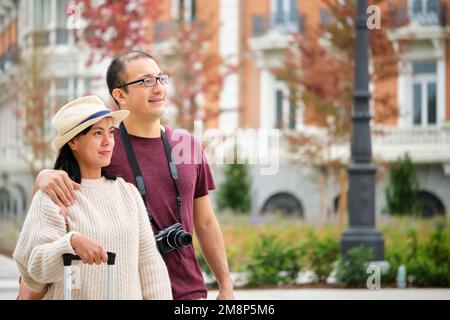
x=8 y=278
x=9 y=287
x=340 y=294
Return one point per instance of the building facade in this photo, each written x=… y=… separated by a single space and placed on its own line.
x=28 y=26
x=421 y=94
x=254 y=35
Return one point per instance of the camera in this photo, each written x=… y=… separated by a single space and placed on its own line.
x=172 y=237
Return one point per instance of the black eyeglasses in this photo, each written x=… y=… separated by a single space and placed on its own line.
x=150 y=81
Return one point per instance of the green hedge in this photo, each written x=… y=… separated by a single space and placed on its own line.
x=273 y=252
x=272 y=262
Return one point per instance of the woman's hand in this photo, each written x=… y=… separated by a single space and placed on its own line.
x=89 y=250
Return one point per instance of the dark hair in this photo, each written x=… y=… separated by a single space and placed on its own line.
x=116 y=69
x=66 y=161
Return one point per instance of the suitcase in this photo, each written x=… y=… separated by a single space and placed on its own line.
x=67 y=261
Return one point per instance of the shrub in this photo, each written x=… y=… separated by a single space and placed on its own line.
x=401 y=193
x=426 y=273
x=395 y=256
x=436 y=248
x=272 y=262
x=321 y=255
x=429 y=265
x=352 y=266
x=234 y=192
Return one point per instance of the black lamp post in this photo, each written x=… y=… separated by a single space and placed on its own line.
x=361 y=193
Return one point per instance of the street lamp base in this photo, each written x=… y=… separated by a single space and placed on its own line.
x=368 y=237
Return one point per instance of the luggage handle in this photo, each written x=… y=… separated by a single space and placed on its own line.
x=68 y=258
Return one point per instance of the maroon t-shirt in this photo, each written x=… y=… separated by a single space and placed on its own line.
x=194 y=179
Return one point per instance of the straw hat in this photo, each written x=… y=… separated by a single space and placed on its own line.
x=79 y=114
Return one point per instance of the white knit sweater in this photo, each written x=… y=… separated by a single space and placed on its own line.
x=111 y=212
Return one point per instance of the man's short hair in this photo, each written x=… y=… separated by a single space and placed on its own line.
x=116 y=70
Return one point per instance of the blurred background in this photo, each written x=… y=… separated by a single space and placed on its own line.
x=257 y=64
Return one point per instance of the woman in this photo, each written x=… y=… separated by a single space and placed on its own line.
x=107 y=215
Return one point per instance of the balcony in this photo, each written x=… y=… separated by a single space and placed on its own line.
x=425 y=145
x=163 y=36
x=421 y=22
x=434 y=13
x=272 y=35
x=283 y=23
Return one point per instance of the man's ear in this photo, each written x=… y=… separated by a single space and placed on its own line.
x=119 y=95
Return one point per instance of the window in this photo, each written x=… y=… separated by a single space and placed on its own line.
x=61 y=16
x=293 y=10
x=87 y=84
x=425 y=12
x=424 y=94
x=326 y=17
x=259 y=25
x=279 y=110
x=279 y=13
x=61 y=92
x=184 y=10
x=284 y=12
x=62 y=34
x=292 y=115
x=41 y=14
x=49 y=22
x=285 y=111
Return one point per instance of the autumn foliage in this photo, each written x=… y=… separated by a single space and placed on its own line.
x=319 y=70
x=112 y=27
x=196 y=68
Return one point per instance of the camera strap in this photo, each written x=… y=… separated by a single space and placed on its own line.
x=137 y=171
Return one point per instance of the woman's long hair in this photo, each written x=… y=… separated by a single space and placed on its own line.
x=66 y=161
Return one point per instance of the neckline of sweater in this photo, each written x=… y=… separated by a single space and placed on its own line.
x=93 y=183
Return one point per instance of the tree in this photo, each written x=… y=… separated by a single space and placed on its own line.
x=234 y=192
x=33 y=112
x=401 y=193
x=319 y=71
x=112 y=27
x=198 y=71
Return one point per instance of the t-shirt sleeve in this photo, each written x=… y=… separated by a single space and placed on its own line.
x=205 y=180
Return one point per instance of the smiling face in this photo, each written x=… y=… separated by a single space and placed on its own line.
x=93 y=150
x=142 y=101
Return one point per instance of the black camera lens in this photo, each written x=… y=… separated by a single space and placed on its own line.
x=183 y=239
x=179 y=238
x=172 y=238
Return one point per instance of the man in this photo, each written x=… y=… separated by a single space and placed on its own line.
x=136 y=83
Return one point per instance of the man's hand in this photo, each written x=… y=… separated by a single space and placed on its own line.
x=58 y=185
x=89 y=250
x=26 y=293
x=226 y=292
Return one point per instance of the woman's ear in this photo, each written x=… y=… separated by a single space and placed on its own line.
x=73 y=144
